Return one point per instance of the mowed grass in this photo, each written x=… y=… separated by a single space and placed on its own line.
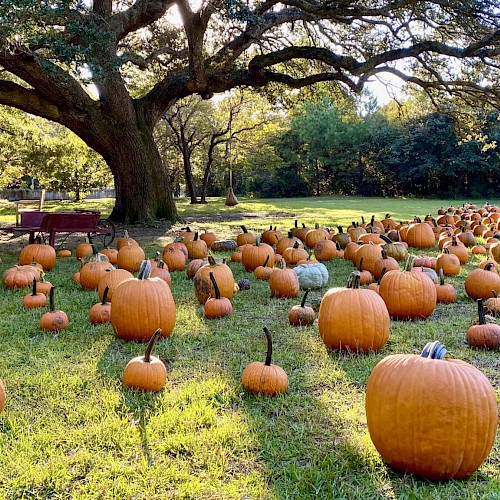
x=71 y=430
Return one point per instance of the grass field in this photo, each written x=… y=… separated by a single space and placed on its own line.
x=71 y=431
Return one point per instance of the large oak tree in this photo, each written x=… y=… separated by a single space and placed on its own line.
x=140 y=62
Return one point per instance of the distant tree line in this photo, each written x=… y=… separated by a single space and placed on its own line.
x=325 y=152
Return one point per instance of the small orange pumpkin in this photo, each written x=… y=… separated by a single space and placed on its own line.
x=146 y=373
x=265 y=378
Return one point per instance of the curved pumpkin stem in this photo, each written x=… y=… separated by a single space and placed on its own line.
x=105 y=296
x=216 y=287
x=151 y=343
x=303 y=301
x=409 y=263
x=145 y=270
x=434 y=350
x=269 y=353
x=480 y=312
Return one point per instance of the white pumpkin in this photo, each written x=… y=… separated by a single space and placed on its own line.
x=312 y=276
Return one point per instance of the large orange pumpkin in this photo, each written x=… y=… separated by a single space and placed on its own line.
x=431 y=416
x=407 y=294
x=45 y=255
x=142 y=305
x=353 y=318
x=203 y=285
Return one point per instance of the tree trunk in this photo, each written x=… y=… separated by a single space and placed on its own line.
x=142 y=185
x=188 y=174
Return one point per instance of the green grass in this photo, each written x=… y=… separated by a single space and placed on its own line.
x=71 y=430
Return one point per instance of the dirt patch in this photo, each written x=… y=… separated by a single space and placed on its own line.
x=159 y=230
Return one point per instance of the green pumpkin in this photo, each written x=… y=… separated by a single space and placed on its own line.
x=312 y=276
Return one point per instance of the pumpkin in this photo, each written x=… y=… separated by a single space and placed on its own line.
x=446 y=412
x=64 y=252
x=126 y=240
x=287 y=242
x=448 y=262
x=92 y=272
x=263 y=272
x=302 y=315
x=34 y=299
x=3 y=395
x=253 y=256
x=177 y=244
x=313 y=276
x=492 y=305
x=43 y=286
x=130 y=257
x=292 y=255
x=20 y=276
x=271 y=236
x=146 y=373
x=245 y=237
x=45 y=255
x=445 y=292
x=478 y=250
x=385 y=262
x=186 y=233
x=313 y=236
x=482 y=283
x=101 y=312
x=217 y=306
x=53 y=320
x=301 y=232
x=223 y=246
x=408 y=294
x=325 y=250
x=161 y=271
x=141 y=305
x=175 y=259
x=341 y=238
x=370 y=254
x=459 y=249
x=353 y=318
x=208 y=237
x=83 y=249
x=197 y=248
x=284 y=283
x=111 y=279
x=265 y=378
x=203 y=286
x=194 y=265
x=483 y=335
x=420 y=235
x=111 y=254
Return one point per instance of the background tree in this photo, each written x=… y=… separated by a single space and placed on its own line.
x=110 y=71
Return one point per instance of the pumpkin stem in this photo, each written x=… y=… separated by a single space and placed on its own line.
x=409 y=263
x=340 y=229
x=303 y=301
x=51 y=299
x=296 y=223
x=216 y=287
x=434 y=350
x=105 y=296
x=157 y=256
x=145 y=270
x=151 y=343
x=34 y=287
x=495 y=294
x=161 y=264
x=480 y=312
x=354 y=279
x=211 y=260
x=244 y=229
x=441 y=276
x=266 y=261
x=386 y=238
x=269 y=353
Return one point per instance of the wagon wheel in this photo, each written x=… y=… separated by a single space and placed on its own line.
x=104 y=239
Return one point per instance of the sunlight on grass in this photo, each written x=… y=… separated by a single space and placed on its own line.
x=71 y=430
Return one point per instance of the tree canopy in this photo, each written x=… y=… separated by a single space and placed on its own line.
x=109 y=70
